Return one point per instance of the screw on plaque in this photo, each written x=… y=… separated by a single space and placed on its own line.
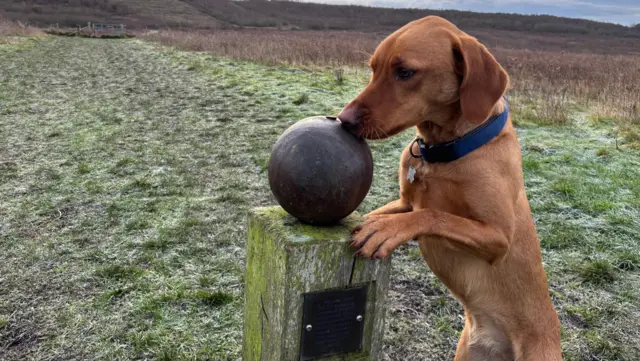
x=359 y=318
x=309 y=328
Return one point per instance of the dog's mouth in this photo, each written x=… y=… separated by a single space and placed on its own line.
x=355 y=130
x=368 y=130
x=377 y=133
x=362 y=132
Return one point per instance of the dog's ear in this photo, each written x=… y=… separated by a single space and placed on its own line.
x=483 y=79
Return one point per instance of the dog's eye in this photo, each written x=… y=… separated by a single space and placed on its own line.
x=404 y=73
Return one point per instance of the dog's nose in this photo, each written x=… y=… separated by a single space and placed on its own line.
x=350 y=117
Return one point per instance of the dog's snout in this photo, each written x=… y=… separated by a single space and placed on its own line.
x=350 y=117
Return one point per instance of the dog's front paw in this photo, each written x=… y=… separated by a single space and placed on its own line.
x=379 y=235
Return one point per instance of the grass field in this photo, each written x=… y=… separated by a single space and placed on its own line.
x=127 y=168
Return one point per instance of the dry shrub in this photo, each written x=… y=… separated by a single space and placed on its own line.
x=544 y=108
x=84 y=33
x=608 y=84
x=10 y=28
x=301 y=48
x=338 y=75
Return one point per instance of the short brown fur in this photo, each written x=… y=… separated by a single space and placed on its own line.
x=471 y=217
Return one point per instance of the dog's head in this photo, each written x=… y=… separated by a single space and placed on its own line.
x=428 y=70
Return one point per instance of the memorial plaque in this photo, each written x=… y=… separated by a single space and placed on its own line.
x=332 y=322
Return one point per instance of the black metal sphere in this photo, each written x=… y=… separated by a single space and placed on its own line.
x=319 y=172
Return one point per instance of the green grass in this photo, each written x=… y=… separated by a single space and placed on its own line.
x=127 y=169
x=599 y=272
x=303 y=98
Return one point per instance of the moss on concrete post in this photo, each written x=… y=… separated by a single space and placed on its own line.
x=286 y=259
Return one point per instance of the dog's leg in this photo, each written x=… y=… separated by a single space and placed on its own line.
x=379 y=235
x=462 y=352
x=397 y=206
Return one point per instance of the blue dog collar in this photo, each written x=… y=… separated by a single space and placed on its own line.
x=458 y=148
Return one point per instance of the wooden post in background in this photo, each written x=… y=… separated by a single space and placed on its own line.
x=286 y=262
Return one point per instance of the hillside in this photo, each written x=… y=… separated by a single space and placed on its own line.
x=284 y=14
x=135 y=14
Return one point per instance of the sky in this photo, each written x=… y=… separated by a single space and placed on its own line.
x=626 y=12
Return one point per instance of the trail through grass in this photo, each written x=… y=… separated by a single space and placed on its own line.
x=126 y=171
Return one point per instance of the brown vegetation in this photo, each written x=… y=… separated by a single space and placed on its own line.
x=607 y=84
x=513 y=31
x=543 y=82
x=299 y=48
x=10 y=28
x=86 y=33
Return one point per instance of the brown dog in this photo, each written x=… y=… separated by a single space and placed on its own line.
x=470 y=216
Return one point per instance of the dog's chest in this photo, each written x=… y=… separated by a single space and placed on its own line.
x=423 y=186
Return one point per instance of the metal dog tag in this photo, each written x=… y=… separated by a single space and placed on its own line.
x=411 y=174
